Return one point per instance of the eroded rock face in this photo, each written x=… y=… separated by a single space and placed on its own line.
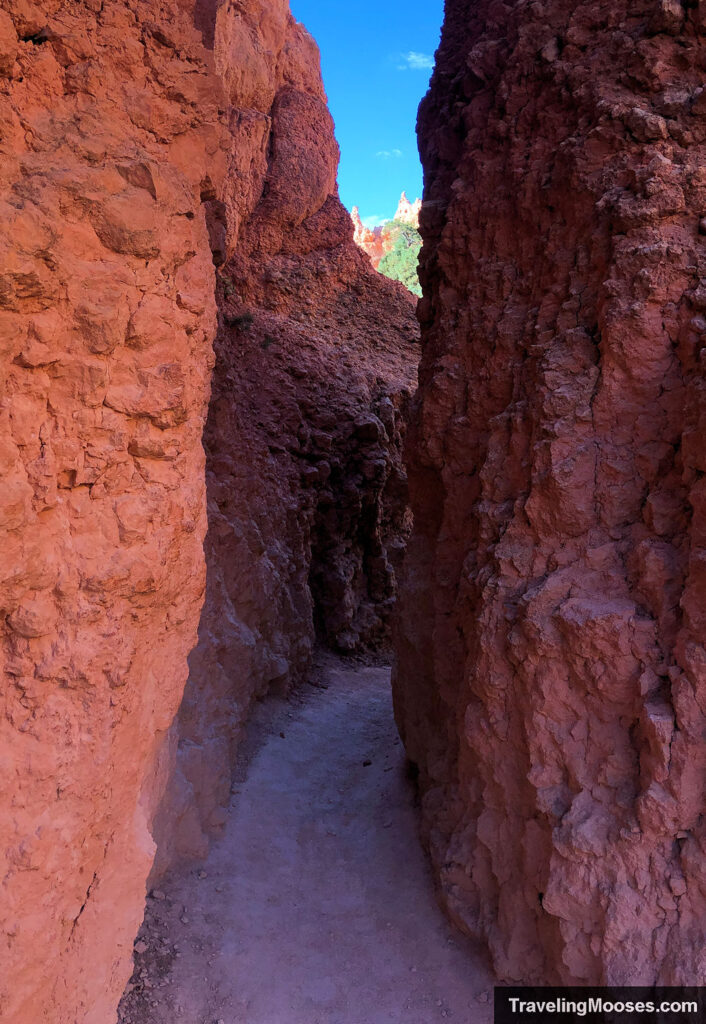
x=377 y=241
x=109 y=137
x=408 y=212
x=142 y=142
x=552 y=672
x=316 y=361
x=370 y=240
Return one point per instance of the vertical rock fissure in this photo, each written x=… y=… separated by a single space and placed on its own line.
x=315 y=364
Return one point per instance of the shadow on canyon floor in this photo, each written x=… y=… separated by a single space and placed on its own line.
x=316 y=907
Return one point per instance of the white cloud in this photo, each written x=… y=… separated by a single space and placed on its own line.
x=389 y=154
x=414 y=61
x=375 y=221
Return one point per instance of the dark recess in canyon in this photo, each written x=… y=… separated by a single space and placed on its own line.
x=315 y=364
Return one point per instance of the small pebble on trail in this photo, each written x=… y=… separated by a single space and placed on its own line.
x=366 y=764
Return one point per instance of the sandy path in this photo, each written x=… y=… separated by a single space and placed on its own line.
x=317 y=905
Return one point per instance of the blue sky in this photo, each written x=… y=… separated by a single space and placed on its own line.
x=376 y=59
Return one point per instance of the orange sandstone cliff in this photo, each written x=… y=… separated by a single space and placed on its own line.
x=551 y=682
x=377 y=241
x=370 y=240
x=110 y=144
x=407 y=212
x=161 y=195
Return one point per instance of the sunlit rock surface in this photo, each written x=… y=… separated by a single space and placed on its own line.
x=160 y=159
x=110 y=141
x=377 y=241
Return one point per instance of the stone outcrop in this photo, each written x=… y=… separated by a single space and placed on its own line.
x=141 y=142
x=316 y=362
x=377 y=241
x=370 y=240
x=408 y=213
x=552 y=674
x=110 y=144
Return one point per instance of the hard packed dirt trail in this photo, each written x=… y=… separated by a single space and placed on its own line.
x=317 y=905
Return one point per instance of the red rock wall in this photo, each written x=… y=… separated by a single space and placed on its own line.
x=316 y=360
x=552 y=672
x=140 y=142
x=109 y=137
x=370 y=240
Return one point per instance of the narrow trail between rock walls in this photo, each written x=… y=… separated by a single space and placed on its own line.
x=317 y=905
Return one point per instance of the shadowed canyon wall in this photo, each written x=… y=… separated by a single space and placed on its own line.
x=552 y=673
x=142 y=141
x=315 y=363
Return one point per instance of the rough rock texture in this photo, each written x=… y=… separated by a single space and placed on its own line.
x=408 y=213
x=140 y=140
x=109 y=142
x=316 y=362
x=377 y=241
x=552 y=671
x=370 y=240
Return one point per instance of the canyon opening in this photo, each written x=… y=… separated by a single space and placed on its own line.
x=352 y=620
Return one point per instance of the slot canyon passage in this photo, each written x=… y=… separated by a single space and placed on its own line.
x=214 y=454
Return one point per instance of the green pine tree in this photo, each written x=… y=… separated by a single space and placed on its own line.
x=400 y=263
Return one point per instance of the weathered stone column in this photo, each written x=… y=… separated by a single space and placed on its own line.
x=552 y=671
x=109 y=140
